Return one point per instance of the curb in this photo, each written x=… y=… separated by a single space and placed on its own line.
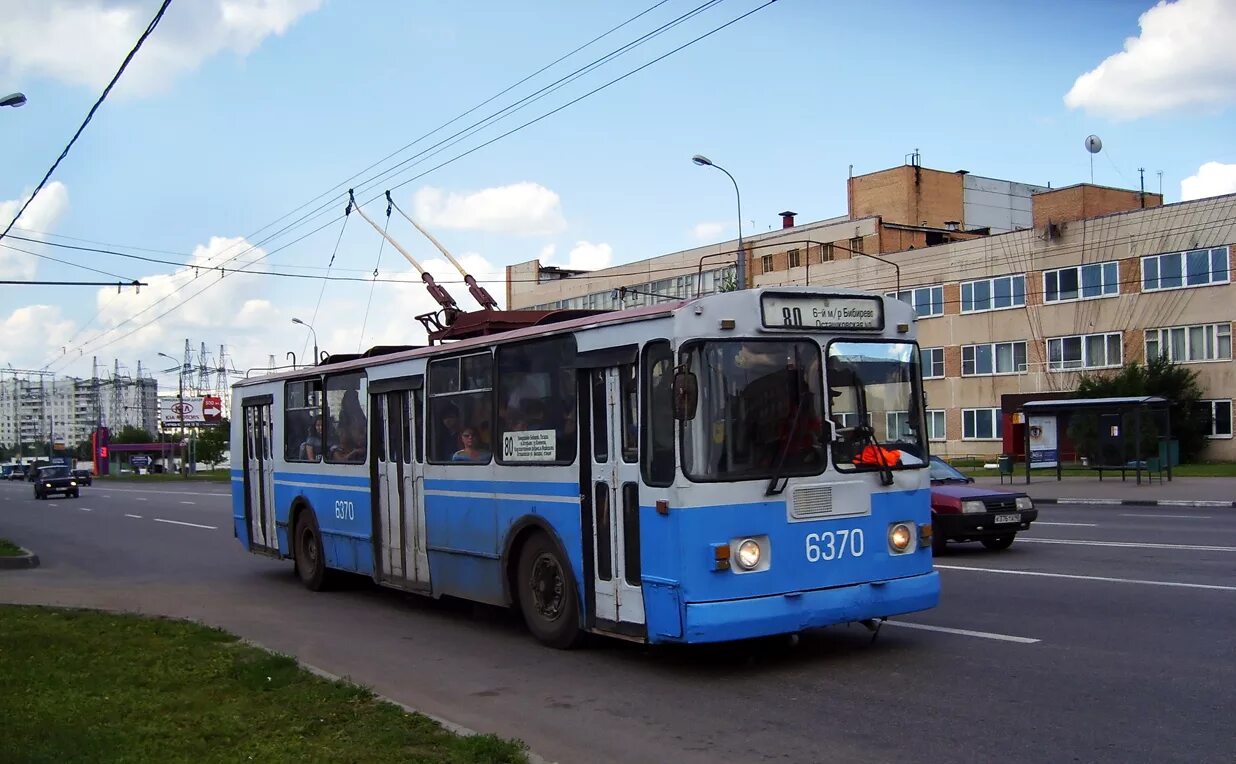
x=1142 y=502
x=26 y=560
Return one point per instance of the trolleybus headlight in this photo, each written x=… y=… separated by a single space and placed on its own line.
x=900 y=536
x=748 y=554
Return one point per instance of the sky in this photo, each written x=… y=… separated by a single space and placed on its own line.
x=233 y=135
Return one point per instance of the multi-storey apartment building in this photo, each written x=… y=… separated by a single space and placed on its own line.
x=1018 y=288
x=39 y=409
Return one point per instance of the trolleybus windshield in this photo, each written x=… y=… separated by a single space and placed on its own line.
x=760 y=411
x=873 y=390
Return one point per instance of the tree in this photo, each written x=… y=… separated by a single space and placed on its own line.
x=1190 y=421
x=213 y=442
x=82 y=452
x=131 y=434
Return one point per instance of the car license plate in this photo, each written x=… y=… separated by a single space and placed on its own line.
x=1008 y=518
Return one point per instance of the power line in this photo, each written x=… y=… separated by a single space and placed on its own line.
x=116 y=77
x=443 y=164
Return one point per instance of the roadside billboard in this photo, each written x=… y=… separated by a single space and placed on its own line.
x=197 y=410
x=1044 y=450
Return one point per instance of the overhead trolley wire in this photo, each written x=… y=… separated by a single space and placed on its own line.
x=443 y=164
x=90 y=115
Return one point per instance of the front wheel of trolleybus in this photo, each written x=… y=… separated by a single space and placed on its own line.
x=547 y=595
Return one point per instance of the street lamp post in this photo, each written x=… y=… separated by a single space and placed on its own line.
x=13 y=99
x=315 y=338
x=180 y=397
x=741 y=264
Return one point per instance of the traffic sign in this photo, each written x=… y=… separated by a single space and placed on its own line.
x=212 y=407
x=139 y=460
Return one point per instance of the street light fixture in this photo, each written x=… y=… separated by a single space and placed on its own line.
x=741 y=263
x=315 y=338
x=180 y=397
x=14 y=100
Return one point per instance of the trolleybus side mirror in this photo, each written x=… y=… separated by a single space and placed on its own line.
x=686 y=395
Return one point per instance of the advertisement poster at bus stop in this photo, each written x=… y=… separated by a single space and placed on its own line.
x=1044 y=450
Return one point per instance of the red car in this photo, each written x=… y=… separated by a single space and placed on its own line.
x=962 y=511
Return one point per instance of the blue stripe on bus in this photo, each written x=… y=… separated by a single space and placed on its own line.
x=323 y=479
x=515 y=487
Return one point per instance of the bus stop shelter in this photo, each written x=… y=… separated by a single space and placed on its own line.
x=1117 y=449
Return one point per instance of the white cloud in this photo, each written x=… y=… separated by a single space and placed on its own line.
x=30 y=334
x=708 y=231
x=1184 y=57
x=40 y=217
x=83 y=41
x=526 y=209
x=1211 y=179
x=586 y=256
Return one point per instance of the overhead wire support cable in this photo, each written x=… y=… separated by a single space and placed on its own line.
x=373 y=285
x=90 y=115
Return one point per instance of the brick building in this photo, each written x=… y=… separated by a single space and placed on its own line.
x=1018 y=288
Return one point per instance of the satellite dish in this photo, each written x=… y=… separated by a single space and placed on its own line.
x=1093 y=144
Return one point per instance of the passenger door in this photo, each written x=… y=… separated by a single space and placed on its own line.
x=260 y=476
x=614 y=457
x=398 y=489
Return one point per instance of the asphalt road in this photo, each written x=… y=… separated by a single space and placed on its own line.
x=1104 y=634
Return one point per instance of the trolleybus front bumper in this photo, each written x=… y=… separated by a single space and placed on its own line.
x=797 y=611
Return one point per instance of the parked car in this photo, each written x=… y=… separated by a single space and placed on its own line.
x=56 y=479
x=13 y=472
x=84 y=477
x=962 y=511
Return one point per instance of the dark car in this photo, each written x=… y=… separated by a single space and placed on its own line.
x=13 y=472
x=84 y=477
x=56 y=480
x=962 y=511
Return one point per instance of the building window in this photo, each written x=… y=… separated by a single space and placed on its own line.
x=1184 y=344
x=826 y=253
x=766 y=263
x=982 y=424
x=1219 y=414
x=993 y=294
x=936 y=427
x=1087 y=351
x=927 y=301
x=933 y=363
x=1083 y=282
x=993 y=358
x=1179 y=270
x=794 y=258
x=856 y=244
x=898 y=426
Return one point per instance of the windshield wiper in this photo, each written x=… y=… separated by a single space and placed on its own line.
x=773 y=489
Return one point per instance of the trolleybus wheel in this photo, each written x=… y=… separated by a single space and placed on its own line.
x=310 y=561
x=999 y=542
x=547 y=594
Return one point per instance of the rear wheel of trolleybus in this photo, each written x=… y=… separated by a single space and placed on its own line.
x=547 y=596
x=307 y=549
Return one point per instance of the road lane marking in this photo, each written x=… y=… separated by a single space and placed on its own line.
x=178 y=493
x=1133 y=544
x=138 y=517
x=965 y=632
x=191 y=525
x=1079 y=525
x=188 y=502
x=1108 y=579
x=1179 y=517
x=1189 y=503
x=139 y=498
x=52 y=505
x=86 y=509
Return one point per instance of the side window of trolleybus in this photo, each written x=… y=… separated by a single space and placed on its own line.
x=874 y=394
x=304 y=430
x=657 y=447
x=536 y=402
x=460 y=405
x=347 y=420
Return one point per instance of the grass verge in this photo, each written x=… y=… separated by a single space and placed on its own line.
x=80 y=684
x=9 y=549
x=209 y=476
x=1210 y=469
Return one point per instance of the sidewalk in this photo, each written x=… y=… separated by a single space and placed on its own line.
x=1180 y=492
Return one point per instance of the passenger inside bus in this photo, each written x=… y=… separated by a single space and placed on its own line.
x=446 y=435
x=348 y=441
x=471 y=451
x=311 y=449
